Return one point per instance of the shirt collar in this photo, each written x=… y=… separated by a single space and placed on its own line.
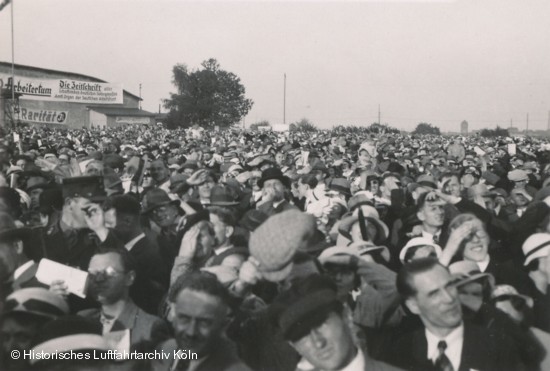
x=484 y=264
x=130 y=244
x=454 y=342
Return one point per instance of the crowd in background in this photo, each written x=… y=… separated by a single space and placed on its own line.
x=261 y=250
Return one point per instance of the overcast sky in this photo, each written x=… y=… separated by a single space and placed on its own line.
x=484 y=61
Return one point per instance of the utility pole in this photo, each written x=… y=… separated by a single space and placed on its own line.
x=527 y=125
x=511 y=125
x=284 y=101
x=140 y=96
x=379 y=122
x=548 y=126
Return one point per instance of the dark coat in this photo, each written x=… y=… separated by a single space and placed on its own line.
x=75 y=247
x=480 y=351
x=152 y=278
x=269 y=210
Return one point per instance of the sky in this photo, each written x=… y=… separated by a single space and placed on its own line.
x=441 y=62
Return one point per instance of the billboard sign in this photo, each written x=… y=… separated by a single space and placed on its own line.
x=65 y=90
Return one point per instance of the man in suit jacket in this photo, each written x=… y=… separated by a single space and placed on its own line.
x=274 y=187
x=200 y=316
x=152 y=277
x=446 y=342
x=112 y=273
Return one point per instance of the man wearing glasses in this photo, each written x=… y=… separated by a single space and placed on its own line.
x=112 y=273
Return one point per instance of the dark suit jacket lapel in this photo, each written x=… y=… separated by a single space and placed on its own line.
x=419 y=348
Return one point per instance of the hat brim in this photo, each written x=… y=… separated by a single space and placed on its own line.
x=382 y=231
x=224 y=203
x=284 y=179
x=460 y=281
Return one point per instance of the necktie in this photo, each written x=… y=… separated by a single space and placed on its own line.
x=443 y=363
x=436 y=239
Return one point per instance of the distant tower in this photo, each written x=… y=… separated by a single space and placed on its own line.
x=464 y=127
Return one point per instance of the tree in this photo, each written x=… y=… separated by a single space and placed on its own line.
x=493 y=133
x=425 y=128
x=209 y=96
x=259 y=124
x=303 y=125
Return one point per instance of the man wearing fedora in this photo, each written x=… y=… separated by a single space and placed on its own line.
x=274 y=186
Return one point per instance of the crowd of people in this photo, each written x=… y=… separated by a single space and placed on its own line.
x=260 y=250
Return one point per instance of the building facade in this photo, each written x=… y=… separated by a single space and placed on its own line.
x=72 y=100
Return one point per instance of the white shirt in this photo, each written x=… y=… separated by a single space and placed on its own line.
x=484 y=264
x=129 y=245
x=358 y=363
x=454 y=340
x=431 y=236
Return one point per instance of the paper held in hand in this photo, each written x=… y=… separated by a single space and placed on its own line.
x=75 y=279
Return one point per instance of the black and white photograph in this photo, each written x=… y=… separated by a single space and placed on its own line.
x=274 y=185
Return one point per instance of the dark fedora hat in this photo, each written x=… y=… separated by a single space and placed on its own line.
x=223 y=196
x=9 y=231
x=273 y=173
x=156 y=197
x=36 y=182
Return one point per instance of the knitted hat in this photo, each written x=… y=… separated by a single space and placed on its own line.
x=274 y=243
x=536 y=246
x=37 y=301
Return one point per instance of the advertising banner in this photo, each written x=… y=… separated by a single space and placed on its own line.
x=65 y=90
x=43 y=116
